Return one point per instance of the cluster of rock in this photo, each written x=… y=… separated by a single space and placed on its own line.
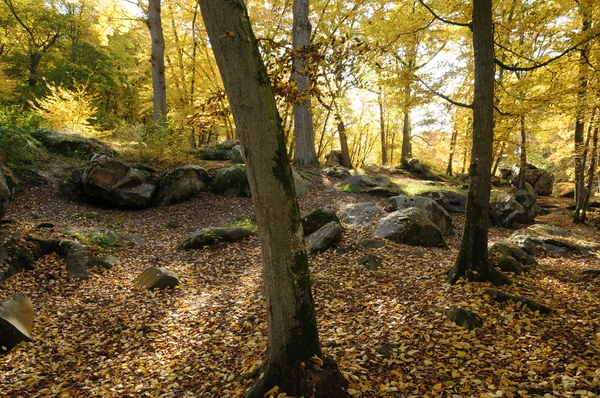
x=71 y=145
x=417 y=169
x=227 y=150
x=541 y=180
x=115 y=183
x=19 y=253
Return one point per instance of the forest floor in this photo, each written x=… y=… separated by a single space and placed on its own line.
x=101 y=337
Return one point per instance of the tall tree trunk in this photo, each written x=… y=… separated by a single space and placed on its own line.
x=452 y=150
x=499 y=158
x=293 y=342
x=159 y=84
x=34 y=61
x=472 y=261
x=406 y=131
x=580 y=109
x=522 y=156
x=384 y=157
x=580 y=202
x=304 y=152
x=346 y=160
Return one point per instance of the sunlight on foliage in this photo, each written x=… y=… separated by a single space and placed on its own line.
x=68 y=111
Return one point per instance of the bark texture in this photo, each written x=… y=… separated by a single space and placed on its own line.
x=159 y=83
x=293 y=351
x=304 y=152
x=472 y=261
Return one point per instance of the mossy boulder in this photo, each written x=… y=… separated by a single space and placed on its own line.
x=180 y=185
x=232 y=181
x=211 y=235
x=71 y=145
x=325 y=237
x=316 y=218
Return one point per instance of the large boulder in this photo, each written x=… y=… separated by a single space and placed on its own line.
x=333 y=158
x=116 y=183
x=316 y=218
x=434 y=212
x=222 y=151
x=211 y=235
x=71 y=145
x=156 y=278
x=361 y=213
x=338 y=172
x=541 y=180
x=417 y=169
x=75 y=259
x=16 y=321
x=232 y=181
x=520 y=208
x=373 y=185
x=180 y=185
x=509 y=257
x=550 y=240
x=325 y=237
x=237 y=155
x=412 y=227
x=451 y=201
x=4 y=196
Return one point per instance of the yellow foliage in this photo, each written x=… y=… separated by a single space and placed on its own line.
x=68 y=110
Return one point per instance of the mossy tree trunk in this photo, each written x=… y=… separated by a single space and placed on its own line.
x=293 y=342
x=472 y=261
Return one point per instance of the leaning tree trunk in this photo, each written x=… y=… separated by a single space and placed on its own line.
x=159 y=84
x=384 y=157
x=304 y=152
x=346 y=160
x=293 y=350
x=472 y=261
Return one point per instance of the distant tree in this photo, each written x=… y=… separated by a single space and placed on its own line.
x=304 y=153
x=159 y=84
x=294 y=361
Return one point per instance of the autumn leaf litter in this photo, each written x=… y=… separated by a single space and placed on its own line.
x=102 y=337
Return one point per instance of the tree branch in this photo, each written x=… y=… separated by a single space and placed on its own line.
x=466 y=25
x=445 y=97
x=545 y=63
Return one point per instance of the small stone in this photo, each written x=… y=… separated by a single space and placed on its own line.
x=372 y=243
x=371 y=262
x=45 y=225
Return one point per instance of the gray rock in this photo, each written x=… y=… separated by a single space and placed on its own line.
x=338 y=172
x=232 y=181
x=180 y=185
x=361 y=213
x=156 y=278
x=507 y=211
x=434 y=212
x=237 y=156
x=71 y=145
x=211 y=235
x=361 y=181
x=333 y=158
x=16 y=321
x=509 y=257
x=4 y=196
x=410 y=226
x=116 y=183
x=301 y=183
x=550 y=240
x=541 y=180
x=316 y=218
x=371 y=262
x=107 y=262
x=325 y=237
x=451 y=201
x=75 y=259
x=222 y=151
